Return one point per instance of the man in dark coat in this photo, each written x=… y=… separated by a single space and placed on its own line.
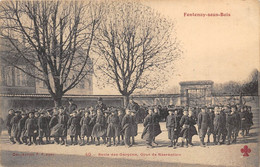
x=211 y=126
x=203 y=124
x=156 y=128
x=135 y=106
x=127 y=127
x=43 y=128
x=237 y=123
x=113 y=129
x=100 y=105
x=14 y=123
x=148 y=132
x=72 y=106
x=9 y=126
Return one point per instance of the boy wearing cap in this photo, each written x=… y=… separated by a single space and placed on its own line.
x=53 y=122
x=121 y=135
x=134 y=126
x=127 y=127
x=72 y=128
x=43 y=128
x=99 y=129
x=237 y=123
x=113 y=128
x=156 y=120
x=230 y=123
x=9 y=126
x=211 y=126
x=203 y=124
x=218 y=124
x=30 y=127
x=21 y=128
x=85 y=128
x=171 y=125
x=148 y=131
x=14 y=123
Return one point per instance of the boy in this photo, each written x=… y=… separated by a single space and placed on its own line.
x=72 y=128
x=171 y=125
x=14 y=123
x=113 y=128
x=85 y=128
x=43 y=128
x=147 y=134
x=9 y=126
x=21 y=128
x=127 y=128
x=30 y=127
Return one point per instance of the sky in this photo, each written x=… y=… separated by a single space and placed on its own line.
x=220 y=48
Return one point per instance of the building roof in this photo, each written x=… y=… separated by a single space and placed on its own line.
x=202 y=82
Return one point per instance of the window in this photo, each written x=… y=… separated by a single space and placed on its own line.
x=20 y=77
x=9 y=75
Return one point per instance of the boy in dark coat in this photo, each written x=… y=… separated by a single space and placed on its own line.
x=171 y=125
x=60 y=129
x=43 y=128
x=36 y=132
x=127 y=127
x=134 y=126
x=218 y=124
x=30 y=127
x=113 y=128
x=93 y=117
x=72 y=128
x=121 y=116
x=14 y=123
x=230 y=123
x=9 y=126
x=156 y=120
x=203 y=124
x=148 y=132
x=99 y=129
x=85 y=128
x=211 y=126
x=244 y=117
x=250 y=119
x=237 y=123
x=21 y=128
x=53 y=122
x=187 y=123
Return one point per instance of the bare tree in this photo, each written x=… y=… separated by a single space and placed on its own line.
x=54 y=38
x=135 y=43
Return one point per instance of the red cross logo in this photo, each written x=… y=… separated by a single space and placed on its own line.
x=245 y=151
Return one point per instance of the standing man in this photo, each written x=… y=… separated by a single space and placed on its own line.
x=72 y=106
x=203 y=124
x=100 y=105
x=135 y=106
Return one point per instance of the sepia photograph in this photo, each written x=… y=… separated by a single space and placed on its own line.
x=122 y=83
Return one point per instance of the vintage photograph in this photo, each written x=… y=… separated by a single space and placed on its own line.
x=122 y=83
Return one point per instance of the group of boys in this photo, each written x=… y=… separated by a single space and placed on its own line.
x=224 y=123
x=120 y=125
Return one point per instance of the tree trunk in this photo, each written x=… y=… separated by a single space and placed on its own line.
x=57 y=101
x=126 y=100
